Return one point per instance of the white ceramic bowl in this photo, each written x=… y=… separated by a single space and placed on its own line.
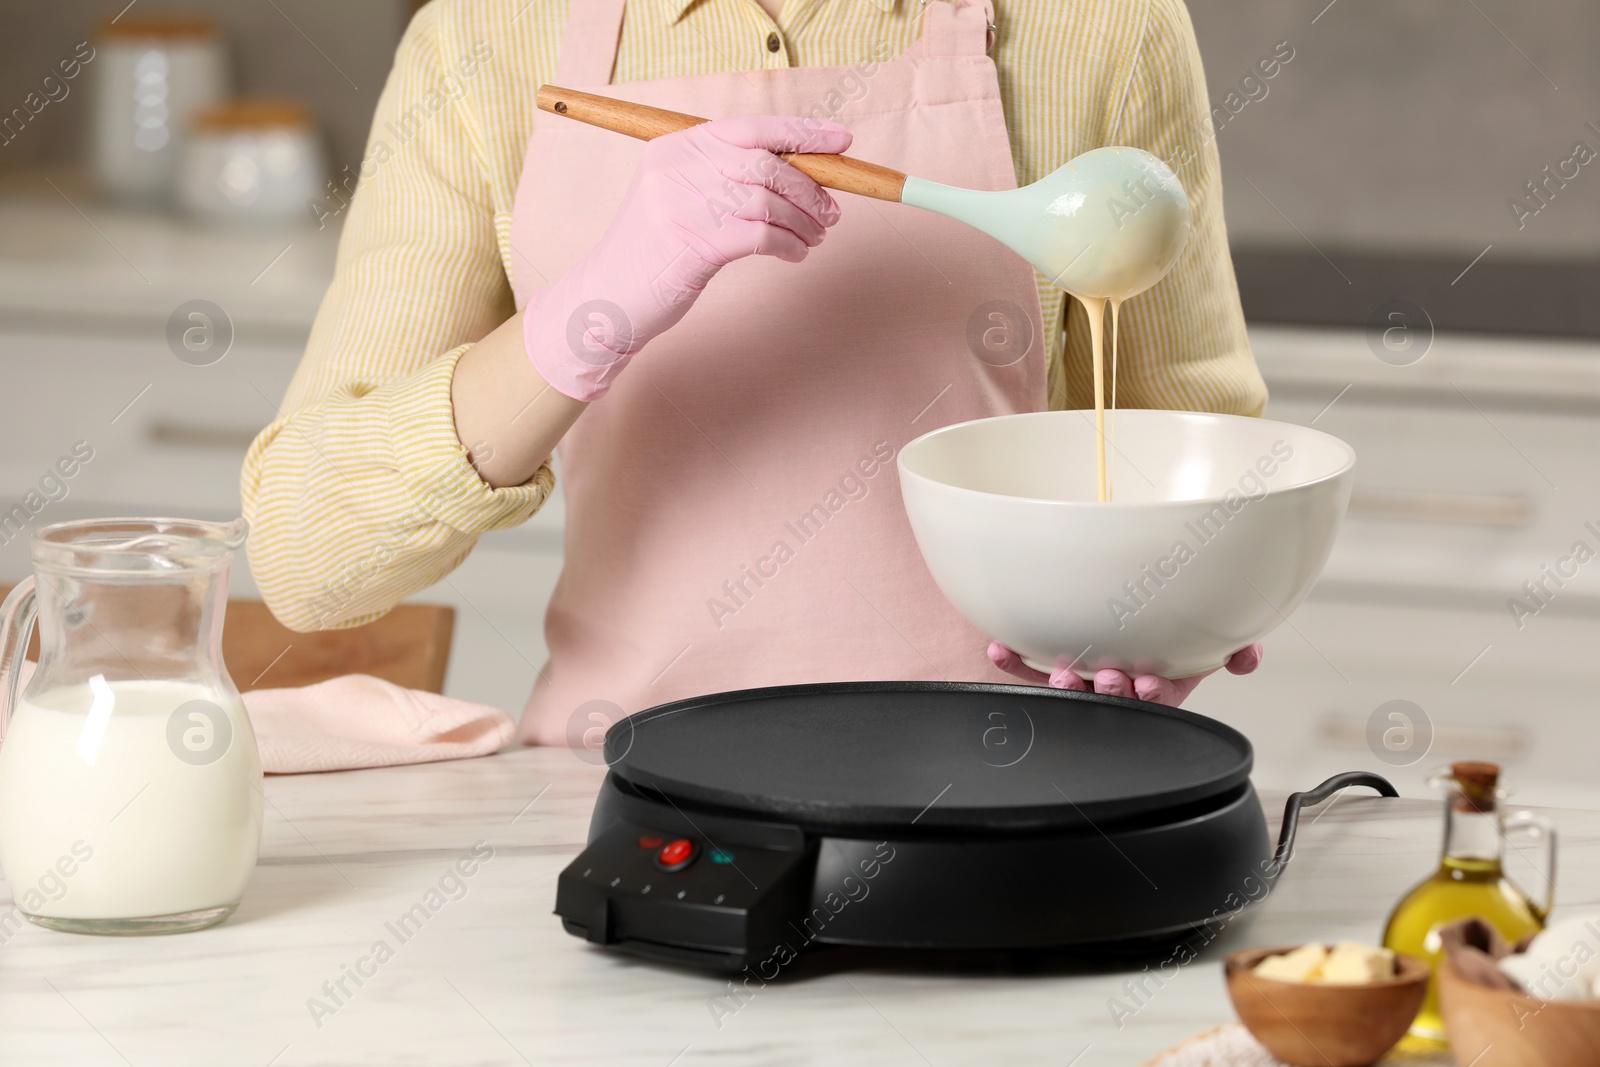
x=1217 y=529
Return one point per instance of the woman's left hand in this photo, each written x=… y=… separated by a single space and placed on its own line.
x=1151 y=687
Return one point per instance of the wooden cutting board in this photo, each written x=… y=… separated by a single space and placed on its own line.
x=410 y=647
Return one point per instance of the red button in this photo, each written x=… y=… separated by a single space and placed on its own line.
x=649 y=842
x=675 y=855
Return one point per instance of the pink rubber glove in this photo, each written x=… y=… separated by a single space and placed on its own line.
x=1151 y=687
x=700 y=199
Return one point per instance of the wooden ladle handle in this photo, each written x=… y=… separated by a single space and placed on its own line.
x=638 y=120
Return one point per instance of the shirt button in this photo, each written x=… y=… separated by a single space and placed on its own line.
x=773 y=44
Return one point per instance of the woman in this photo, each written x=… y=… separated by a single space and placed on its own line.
x=729 y=358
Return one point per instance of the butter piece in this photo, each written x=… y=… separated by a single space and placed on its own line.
x=1352 y=963
x=1296 y=966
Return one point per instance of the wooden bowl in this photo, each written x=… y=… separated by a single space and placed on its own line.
x=1314 y=1025
x=1496 y=1028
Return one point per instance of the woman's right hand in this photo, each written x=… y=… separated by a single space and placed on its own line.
x=701 y=198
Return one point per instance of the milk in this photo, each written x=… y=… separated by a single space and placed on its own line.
x=112 y=807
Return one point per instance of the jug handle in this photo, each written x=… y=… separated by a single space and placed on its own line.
x=16 y=624
x=1539 y=829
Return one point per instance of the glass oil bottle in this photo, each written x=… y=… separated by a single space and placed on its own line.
x=1470 y=880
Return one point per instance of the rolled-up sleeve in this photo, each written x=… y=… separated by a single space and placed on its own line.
x=360 y=492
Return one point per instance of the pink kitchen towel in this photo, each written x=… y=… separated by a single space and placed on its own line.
x=361 y=721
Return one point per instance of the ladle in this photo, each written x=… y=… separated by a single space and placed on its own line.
x=1106 y=224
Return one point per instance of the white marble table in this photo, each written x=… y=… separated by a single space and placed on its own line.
x=491 y=978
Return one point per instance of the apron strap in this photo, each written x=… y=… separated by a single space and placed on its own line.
x=589 y=46
x=957 y=27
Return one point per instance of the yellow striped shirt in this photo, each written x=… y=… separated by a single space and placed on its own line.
x=360 y=494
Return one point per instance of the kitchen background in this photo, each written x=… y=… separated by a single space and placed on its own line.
x=1397 y=299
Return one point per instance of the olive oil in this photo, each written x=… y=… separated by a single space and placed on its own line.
x=1469 y=882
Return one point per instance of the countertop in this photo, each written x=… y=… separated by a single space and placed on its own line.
x=491 y=978
x=68 y=258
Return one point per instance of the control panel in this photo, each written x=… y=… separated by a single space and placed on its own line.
x=683 y=897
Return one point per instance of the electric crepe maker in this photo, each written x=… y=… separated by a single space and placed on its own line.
x=750 y=826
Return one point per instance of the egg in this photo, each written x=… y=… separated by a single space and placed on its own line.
x=1562 y=962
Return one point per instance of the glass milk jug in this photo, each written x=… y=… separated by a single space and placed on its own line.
x=130 y=784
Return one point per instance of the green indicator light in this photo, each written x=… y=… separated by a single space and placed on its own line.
x=719 y=856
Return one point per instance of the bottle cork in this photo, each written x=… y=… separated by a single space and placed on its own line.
x=1476 y=785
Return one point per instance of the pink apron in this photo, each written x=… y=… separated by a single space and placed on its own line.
x=733 y=507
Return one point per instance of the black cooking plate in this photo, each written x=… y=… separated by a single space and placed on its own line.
x=917 y=815
x=930 y=755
